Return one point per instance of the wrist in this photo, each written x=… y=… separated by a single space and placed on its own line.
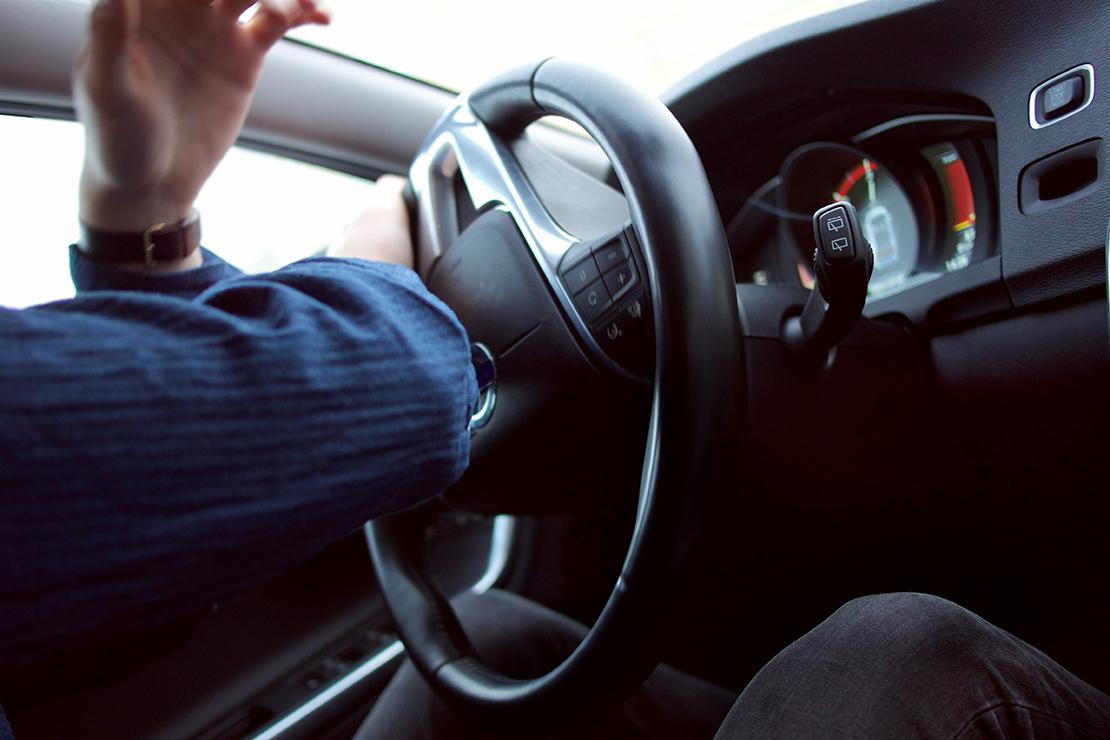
x=111 y=208
x=137 y=230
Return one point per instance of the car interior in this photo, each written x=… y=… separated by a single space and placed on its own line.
x=709 y=417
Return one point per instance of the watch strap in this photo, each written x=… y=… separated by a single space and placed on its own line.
x=159 y=243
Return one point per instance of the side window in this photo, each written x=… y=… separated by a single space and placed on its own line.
x=258 y=211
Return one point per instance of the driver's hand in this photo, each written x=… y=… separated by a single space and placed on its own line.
x=163 y=87
x=381 y=233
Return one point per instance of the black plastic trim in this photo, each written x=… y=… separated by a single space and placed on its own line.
x=1061 y=178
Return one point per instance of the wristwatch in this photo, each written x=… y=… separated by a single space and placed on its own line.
x=159 y=243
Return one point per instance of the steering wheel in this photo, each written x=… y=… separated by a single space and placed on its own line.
x=583 y=299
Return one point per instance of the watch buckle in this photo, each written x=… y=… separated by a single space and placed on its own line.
x=148 y=243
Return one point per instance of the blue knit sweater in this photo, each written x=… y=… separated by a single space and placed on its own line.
x=168 y=440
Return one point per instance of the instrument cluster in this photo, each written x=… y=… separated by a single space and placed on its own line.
x=923 y=190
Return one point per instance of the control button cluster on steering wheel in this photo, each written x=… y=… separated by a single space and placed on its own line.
x=627 y=335
x=603 y=279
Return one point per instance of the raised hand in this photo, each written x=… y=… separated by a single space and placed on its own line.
x=163 y=87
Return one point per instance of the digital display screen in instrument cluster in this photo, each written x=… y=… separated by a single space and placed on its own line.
x=917 y=210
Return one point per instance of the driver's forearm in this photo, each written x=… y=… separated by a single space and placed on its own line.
x=158 y=455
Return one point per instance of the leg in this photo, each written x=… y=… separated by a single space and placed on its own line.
x=911 y=665
x=521 y=638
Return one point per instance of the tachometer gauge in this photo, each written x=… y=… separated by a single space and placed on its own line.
x=959 y=202
x=818 y=174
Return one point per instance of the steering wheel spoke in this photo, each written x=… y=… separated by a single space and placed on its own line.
x=466 y=158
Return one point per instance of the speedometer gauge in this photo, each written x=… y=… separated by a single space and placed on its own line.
x=887 y=219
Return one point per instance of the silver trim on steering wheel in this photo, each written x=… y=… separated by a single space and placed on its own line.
x=461 y=144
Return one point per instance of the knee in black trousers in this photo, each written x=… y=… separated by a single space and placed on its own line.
x=914 y=665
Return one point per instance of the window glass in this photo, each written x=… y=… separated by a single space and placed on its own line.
x=258 y=211
x=459 y=44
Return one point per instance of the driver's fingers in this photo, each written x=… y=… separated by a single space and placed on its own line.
x=276 y=17
x=110 y=24
x=315 y=17
x=234 y=8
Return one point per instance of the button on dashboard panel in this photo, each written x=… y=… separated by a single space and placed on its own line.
x=1062 y=96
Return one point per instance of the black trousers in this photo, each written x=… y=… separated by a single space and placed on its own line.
x=887 y=666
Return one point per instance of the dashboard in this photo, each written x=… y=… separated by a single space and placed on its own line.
x=963 y=424
x=924 y=186
x=903 y=97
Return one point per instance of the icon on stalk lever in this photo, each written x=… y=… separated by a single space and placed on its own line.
x=843 y=263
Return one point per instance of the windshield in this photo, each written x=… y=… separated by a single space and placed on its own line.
x=457 y=45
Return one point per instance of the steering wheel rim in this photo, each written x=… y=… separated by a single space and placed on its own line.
x=694 y=400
